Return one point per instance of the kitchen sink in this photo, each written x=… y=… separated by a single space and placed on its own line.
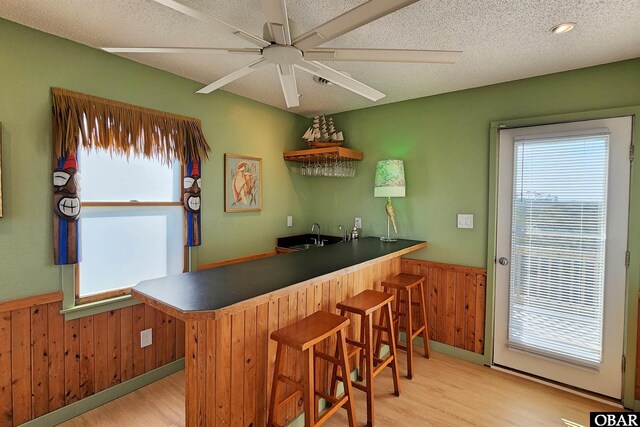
x=303 y=242
x=302 y=247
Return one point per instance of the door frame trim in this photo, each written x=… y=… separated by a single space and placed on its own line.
x=633 y=245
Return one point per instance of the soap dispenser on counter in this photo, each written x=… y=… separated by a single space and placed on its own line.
x=354 y=233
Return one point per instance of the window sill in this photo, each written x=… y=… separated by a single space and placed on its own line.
x=97 y=307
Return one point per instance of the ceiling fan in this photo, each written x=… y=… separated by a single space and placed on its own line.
x=285 y=48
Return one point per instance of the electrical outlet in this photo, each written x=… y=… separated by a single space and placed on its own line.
x=358 y=222
x=146 y=338
x=289 y=221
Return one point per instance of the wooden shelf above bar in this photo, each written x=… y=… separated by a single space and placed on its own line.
x=314 y=154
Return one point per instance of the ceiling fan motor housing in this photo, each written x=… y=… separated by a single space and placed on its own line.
x=282 y=55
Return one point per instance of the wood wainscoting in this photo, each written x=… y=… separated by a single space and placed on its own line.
x=47 y=362
x=455 y=299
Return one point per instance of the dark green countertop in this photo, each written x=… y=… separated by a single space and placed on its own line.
x=216 y=288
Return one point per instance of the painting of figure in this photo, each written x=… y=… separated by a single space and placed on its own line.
x=243 y=183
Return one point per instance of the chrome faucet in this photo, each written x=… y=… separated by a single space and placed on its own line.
x=317 y=241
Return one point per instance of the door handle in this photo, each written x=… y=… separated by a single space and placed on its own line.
x=503 y=261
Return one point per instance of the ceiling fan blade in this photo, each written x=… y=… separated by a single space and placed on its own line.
x=203 y=17
x=383 y=55
x=233 y=76
x=340 y=79
x=289 y=86
x=206 y=50
x=348 y=21
x=277 y=20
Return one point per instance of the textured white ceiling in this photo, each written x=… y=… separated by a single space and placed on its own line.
x=501 y=40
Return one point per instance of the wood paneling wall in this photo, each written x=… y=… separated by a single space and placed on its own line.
x=229 y=361
x=47 y=362
x=455 y=298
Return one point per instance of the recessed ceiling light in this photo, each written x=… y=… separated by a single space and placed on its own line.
x=565 y=27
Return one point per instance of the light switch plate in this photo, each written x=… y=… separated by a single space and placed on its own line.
x=465 y=220
x=358 y=223
x=290 y=221
x=146 y=338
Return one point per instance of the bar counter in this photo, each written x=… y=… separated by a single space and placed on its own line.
x=230 y=311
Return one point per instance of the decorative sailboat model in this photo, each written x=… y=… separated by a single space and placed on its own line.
x=323 y=133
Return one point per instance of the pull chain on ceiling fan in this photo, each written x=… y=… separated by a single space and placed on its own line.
x=287 y=51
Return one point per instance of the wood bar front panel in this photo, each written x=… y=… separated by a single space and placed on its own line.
x=455 y=299
x=47 y=362
x=229 y=361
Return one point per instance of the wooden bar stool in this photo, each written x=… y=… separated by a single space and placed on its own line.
x=365 y=304
x=303 y=336
x=404 y=284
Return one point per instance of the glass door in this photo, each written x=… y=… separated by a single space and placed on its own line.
x=562 y=236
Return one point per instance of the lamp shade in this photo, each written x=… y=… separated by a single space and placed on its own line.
x=389 y=180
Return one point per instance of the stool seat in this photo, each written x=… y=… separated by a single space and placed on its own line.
x=310 y=330
x=365 y=302
x=403 y=281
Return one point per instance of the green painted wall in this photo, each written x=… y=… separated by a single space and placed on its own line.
x=444 y=141
x=31 y=62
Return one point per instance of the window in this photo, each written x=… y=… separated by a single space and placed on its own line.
x=131 y=227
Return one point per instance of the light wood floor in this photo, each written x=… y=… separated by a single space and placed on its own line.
x=444 y=391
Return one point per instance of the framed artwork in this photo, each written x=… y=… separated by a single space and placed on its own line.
x=242 y=183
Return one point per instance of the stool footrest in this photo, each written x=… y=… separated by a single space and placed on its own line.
x=383 y=364
x=416 y=332
x=327 y=357
x=353 y=352
x=332 y=400
x=285 y=379
x=359 y=386
x=355 y=343
x=335 y=405
x=290 y=396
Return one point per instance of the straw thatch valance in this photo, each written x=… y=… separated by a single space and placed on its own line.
x=92 y=122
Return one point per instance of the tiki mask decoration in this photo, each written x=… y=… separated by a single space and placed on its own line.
x=66 y=189
x=191 y=186
x=66 y=208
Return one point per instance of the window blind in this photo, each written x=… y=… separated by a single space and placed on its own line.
x=558 y=246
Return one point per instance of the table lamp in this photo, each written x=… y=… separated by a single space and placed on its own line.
x=389 y=182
